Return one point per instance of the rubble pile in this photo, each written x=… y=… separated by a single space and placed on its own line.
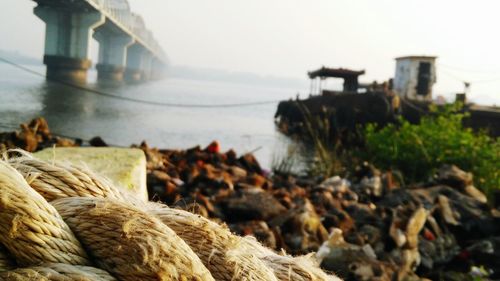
x=34 y=136
x=369 y=226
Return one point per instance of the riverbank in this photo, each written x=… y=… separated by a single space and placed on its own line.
x=370 y=225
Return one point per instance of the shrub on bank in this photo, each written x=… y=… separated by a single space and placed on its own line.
x=440 y=138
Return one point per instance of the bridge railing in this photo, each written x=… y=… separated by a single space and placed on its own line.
x=119 y=10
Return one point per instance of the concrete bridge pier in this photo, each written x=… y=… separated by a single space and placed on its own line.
x=67 y=41
x=112 y=54
x=137 y=61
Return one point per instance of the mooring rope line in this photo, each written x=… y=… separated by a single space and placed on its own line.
x=146 y=102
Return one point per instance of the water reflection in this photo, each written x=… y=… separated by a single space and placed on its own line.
x=74 y=112
x=81 y=114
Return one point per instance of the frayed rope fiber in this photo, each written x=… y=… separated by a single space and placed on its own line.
x=30 y=228
x=93 y=231
x=129 y=243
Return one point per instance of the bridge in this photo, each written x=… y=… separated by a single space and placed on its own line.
x=127 y=49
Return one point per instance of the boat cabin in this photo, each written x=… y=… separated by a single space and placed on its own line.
x=350 y=77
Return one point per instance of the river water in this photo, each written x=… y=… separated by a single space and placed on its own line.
x=81 y=114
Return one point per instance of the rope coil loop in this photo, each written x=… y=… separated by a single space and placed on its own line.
x=216 y=246
x=30 y=228
x=125 y=238
x=128 y=242
x=60 y=180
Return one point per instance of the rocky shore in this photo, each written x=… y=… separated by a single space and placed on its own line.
x=368 y=226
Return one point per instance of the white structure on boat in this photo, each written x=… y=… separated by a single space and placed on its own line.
x=415 y=76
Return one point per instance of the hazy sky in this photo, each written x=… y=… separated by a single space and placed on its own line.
x=289 y=37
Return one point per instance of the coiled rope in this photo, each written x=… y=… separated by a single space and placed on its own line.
x=30 y=228
x=117 y=234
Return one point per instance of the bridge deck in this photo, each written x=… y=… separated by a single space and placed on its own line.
x=119 y=14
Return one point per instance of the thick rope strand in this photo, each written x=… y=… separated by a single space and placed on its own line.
x=30 y=228
x=129 y=243
x=60 y=180
x=227 y=256
x=217 y=247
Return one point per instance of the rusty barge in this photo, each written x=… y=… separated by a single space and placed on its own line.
x=409 y=94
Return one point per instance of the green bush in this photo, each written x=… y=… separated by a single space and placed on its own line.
x=440 y=138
